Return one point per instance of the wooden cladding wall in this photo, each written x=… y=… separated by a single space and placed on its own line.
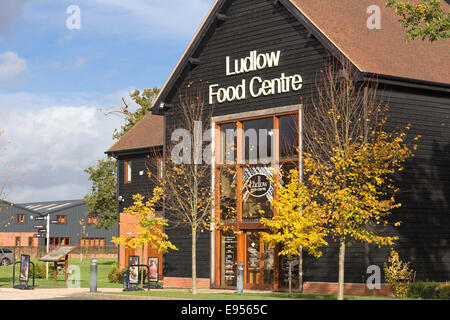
x=140 y=182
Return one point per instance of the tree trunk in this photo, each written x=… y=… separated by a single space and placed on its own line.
x=300 y=270
x=341 y=269
x=290 y=276
x=194 y=261
x=142 y=269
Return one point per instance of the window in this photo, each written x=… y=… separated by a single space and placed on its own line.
x=17 y=242
x=20 y=218
x=59 y=241
x=92 y=220
x=61 y=219
x=128 y=172
x=30 y=241
x=160 y=163
x=248 y=149
x=92 y=242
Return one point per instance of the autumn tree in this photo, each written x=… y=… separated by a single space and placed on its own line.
x=186 y=175
x=349 y=163
x=426 y=20
x=102 y=200
x=298 y=224
x=150 y=226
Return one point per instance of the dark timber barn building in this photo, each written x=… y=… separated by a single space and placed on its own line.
x=290 y=41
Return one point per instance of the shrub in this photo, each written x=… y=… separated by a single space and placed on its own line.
x=398 y=275
x=423 y=290
x=444 y=291
x=112 y=272
x=115 y=275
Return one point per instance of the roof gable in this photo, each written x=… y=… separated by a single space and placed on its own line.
x=341 y=27
x=147 y=133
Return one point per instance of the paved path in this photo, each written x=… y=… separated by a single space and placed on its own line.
x=66 y=294
x=81 y=294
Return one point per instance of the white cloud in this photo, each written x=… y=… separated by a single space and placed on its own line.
x=11 y=66
x=52 y=146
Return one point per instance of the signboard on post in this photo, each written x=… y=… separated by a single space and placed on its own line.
x=40 y=218
x=153 y=264
x=38 y=235
x=134 y=271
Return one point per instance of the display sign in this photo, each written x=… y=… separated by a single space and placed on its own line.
x=54 y=222
x=38 y=236
x=134 y=271
x=258 y=182
x=24 y=268
x=58 y=254
x=153 y=265
x=230 y=260
x=42 y=230
x=39 y=227
x=40 y=218
x=256 y=86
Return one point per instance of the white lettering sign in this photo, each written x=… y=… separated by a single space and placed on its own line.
x=257 y=86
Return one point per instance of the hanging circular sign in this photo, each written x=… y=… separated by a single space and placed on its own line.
x=258 y=185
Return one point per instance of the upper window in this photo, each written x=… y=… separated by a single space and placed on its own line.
x=258 y=137
x=160 y=163
x=128 y=172
x=92 y=220
x=20 y=218
x=61 y=219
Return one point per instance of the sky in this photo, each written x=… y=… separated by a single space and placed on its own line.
x=61 y=71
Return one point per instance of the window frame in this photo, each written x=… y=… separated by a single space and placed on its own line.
x=62 y=219
x=128 y=172
x=20 y=218
x=240 y=162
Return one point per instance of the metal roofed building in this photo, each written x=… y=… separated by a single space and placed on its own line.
x=70 y=215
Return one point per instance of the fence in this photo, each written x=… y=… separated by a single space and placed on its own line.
x=85 y=252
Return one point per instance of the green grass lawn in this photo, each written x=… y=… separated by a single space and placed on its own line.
x=244 y=296
x=103 y=267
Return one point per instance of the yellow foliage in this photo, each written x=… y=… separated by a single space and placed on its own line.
x=149 y=225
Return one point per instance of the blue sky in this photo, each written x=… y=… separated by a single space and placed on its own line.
x=56 y=83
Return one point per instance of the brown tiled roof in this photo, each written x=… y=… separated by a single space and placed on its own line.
x=384 y=52
x=344 y=24
x=147 y=133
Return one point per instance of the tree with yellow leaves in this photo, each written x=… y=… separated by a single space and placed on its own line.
x=150 y=226
x=298 y=223
x=351 y=158
x=349 y=162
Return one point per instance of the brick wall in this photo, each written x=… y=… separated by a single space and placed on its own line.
x=8 y=239
x=186 y=283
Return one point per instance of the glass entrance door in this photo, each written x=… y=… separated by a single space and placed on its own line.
x=259 y=263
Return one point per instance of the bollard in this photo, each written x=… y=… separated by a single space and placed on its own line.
x=240 y=278
x=94 y=275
